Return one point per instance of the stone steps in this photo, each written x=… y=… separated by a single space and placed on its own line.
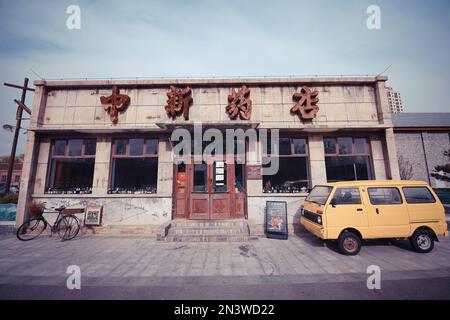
x=207 y=231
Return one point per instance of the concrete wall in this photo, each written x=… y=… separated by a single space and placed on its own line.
x=340 y=106
x=423 y=151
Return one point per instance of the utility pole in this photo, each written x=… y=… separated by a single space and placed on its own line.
x=20 y=108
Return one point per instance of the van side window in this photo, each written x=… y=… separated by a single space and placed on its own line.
x=418 y=195
x=384 y=196
x=347 y=196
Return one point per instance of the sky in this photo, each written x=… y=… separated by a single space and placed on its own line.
x=127 y=39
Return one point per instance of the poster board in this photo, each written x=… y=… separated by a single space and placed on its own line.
x=276 y=223
x=93 y=215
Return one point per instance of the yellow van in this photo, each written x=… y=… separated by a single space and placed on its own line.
x=352 y=211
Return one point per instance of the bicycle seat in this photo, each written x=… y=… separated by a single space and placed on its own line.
x=60 y=208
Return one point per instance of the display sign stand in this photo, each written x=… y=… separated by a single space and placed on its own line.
x=275 y=220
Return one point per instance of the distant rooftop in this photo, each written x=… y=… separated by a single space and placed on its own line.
x=421 y=120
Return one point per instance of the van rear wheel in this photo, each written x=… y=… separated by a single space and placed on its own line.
x=422 y=241
x=349 y=243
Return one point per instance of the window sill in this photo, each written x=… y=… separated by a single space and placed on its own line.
x=87 y=196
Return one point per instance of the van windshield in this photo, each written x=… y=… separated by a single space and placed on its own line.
x=319 y=194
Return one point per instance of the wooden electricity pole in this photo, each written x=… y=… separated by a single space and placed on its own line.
x=20 y=108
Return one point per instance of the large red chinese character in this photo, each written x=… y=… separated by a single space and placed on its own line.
x=239 y=104
x=178 y=101
x=306 y=105
x=114 y=103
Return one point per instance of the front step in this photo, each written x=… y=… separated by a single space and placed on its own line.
x=207 y=231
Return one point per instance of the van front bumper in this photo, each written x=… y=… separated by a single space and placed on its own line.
x=312 y=227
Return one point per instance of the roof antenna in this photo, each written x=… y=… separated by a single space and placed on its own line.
x=384 y=70
x=35 y=73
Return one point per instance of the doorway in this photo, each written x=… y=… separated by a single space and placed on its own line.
x=209 y=190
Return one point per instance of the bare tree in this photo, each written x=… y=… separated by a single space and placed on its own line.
x=406 y=169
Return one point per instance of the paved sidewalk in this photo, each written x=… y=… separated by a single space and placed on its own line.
x=140 y=267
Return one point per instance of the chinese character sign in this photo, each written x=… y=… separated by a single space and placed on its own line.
x=239 y=104
x=306 y=106
x=114 y=103
x=178 y=100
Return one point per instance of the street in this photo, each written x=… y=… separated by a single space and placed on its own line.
x=138 y=267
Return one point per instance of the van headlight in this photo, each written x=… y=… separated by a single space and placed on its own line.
x=319 y=220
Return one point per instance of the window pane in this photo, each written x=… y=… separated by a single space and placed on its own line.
x=59 y=148
x=384 y=196
x=89 y=147
x=418 y=195
x=220 y=176
x=361 y=145
x=200 y=177
x=330 y=145
x=134 y=175
x=71 y=174
x=285 y=146
x=347 y=196
x=348 y=168
x=239 y=176
x=152 y=146
x=75 y=147
x=299 y=146
x=120 y=147
x=345 y=145
x=291 y=176
x=136 y=147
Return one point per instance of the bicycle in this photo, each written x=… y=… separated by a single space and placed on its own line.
x=66 y=225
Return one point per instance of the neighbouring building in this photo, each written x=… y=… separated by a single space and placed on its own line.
x=422 y=139
x=394 y=100
x=17 y=171
x=109 y=143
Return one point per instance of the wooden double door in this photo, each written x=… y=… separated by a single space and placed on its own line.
x=209 y=190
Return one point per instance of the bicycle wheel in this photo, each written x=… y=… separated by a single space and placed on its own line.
x=31 y=229
x=68 y=227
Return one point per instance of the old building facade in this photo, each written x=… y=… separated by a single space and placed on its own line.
x=109 y=143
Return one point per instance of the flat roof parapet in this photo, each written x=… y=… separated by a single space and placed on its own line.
x=210 y=82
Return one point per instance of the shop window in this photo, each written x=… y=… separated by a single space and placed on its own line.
x=4 y=177
x=134 y=166
x=292 y=175
x=347 y=159
x=71 y=166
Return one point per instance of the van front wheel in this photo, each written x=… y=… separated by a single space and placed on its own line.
x=422 y=241
x=349 y=243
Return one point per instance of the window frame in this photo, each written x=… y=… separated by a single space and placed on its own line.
x=128 y=156
x=52 y=156
x=306 y=155
x=417 y=187
x=354 y=153
x=385 y=204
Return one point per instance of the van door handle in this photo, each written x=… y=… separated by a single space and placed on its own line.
x=359 y=209
x=377 y=211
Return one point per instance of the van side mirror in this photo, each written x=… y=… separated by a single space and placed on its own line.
x=333 y=202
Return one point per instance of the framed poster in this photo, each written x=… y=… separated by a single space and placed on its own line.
x=276 y=223
x=93 y=215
